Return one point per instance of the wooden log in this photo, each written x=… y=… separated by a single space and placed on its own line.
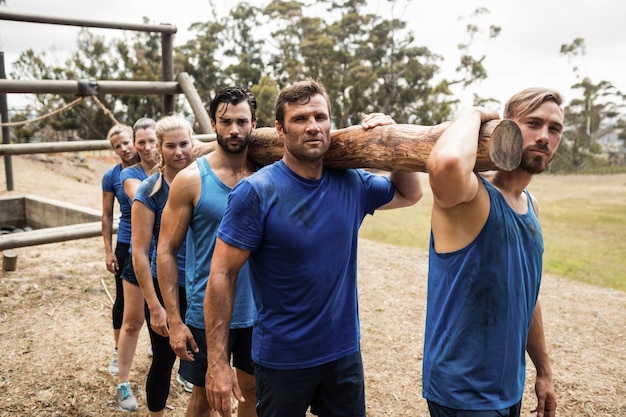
x=399 y=148
x=9 y=260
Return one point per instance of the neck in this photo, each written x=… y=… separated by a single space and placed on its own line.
x=512 y=182
x=147 y=166
x=235 y=162
x=311 y=170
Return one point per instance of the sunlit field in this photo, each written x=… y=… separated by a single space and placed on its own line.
x=583 y=219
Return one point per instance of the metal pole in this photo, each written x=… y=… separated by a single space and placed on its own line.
x=19 y=17
x=168 y=70
x=195 y=102
x=6 y=139
x=89 y=87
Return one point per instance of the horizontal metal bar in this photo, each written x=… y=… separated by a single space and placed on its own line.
x=70 y=146
x=76 y=87
x=141 y=27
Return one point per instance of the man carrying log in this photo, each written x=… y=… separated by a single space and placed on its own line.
x=485 y=266
x=297 y=223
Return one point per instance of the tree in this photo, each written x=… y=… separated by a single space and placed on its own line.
x=592 y=115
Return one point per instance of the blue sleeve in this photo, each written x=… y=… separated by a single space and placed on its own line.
x=108 y=183
x=379 y=189
x=242 y=223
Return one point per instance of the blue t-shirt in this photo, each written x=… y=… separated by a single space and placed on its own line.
x=111 y=184
x=481 y=301
x=156 y=203
x=206 y=218
x=303 y=236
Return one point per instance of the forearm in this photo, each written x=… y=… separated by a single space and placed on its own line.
x=107 y=234
x=167 y=274
x=143 y=274
x=218 y=305
x=536 y=345
x=408 y=187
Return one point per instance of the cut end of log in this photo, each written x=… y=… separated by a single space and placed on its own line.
x=505 y=149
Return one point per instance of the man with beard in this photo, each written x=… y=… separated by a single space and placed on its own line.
x=296 y=222
x=485 y=267
x=198 y=198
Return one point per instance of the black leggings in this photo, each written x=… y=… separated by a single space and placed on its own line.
x=160 y=373
x=121 y=253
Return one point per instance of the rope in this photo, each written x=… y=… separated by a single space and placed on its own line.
x=105 y=110
x=62 y=109
x=52 y=113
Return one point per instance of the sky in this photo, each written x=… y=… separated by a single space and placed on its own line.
x=525 y=54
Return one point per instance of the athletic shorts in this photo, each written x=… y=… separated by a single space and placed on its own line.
x=334 y=389
x=128 y=272
x=239 y=348
x=437 y=410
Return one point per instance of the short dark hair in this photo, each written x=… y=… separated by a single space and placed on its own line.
x=300 y=92
x=234 y=96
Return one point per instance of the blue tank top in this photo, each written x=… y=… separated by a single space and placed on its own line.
x=206 y=218
x=111 y=183
x=480 y=304
x=156 y=203
x=303 y=237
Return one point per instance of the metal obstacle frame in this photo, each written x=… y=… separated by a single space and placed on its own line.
x=167 y=88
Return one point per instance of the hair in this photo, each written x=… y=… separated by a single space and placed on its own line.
x=167 y=124
x=144 y=123
x=528 y=100
x=119 y=129
x=300 y=92
x=234 y=96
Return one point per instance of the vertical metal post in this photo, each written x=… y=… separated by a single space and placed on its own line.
x=6 y=139
x=168 y=69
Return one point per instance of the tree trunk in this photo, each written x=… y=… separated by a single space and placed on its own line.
x=399 y=148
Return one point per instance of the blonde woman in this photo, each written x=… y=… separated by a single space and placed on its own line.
x=175 y=143
x=121 y=138
x=145 y=143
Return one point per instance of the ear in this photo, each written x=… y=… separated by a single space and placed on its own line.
x=279 y=128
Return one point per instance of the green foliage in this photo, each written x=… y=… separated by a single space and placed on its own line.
x=368 y=63
x=589 y=117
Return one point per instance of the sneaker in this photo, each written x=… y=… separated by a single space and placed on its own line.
x=186 y=384
x=125 y=398
x=113 y=369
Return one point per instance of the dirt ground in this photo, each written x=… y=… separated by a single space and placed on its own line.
x=56 y=338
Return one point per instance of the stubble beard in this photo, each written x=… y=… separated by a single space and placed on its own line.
x=236 y=150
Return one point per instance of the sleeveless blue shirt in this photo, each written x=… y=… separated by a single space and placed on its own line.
x=206 y=218
x=481 y=301
x=156 y=204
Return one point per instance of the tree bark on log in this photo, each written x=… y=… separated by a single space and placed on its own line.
x=395 y=148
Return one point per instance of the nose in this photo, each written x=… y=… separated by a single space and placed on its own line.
x=544 y=135
x=312 y=125
x=234 y=129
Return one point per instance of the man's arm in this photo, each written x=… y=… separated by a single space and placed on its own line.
x=408 y=190
x=407 y=184
x=175 y=221
x=108 y=200
x=538 y=352
x=218 y=306
x=451 y=161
